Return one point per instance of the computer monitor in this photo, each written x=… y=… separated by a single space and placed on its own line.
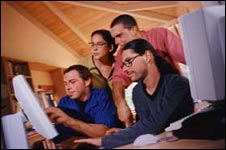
x=13 y=133
x=29 y=103
x=203 y=35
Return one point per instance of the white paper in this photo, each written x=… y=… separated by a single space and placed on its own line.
x=29 y=103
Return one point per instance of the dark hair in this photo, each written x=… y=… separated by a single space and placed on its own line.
x=108 y=38
x=140 y=46
x=83 y=71
x=127 y=21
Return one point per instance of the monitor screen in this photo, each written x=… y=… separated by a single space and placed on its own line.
x=12 y=124
x=29 y=103
x=203 y=35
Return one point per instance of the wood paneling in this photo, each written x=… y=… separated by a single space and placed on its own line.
x=72 y=22
x=57 y=77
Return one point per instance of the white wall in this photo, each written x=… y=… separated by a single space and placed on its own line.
x=23 y=40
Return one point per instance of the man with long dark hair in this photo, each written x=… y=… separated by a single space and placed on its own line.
x=161 y=96
x=124 y=28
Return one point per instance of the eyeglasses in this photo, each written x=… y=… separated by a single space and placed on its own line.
x=99 y=44
x=129 y=62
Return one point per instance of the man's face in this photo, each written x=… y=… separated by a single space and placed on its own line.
x=74 y=84
x=122 y=35
x=134 y=65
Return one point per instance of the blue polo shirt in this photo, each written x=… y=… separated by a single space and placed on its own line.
x=98 y=109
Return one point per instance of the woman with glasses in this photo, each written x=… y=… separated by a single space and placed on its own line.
x=161 y=96
x=101 y=62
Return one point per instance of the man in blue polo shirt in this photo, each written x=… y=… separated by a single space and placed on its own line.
x=83 y=111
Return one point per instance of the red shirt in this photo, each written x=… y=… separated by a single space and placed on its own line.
x=166 y=43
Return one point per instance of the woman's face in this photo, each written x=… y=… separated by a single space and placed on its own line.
x=99 y=47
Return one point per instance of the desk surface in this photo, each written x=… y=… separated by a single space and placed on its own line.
x=34 y=137
x=180 y=144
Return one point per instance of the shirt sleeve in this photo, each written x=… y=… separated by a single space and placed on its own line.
x=165 y=41
x=154 y=123
x=119 y=74
x=124 y=136
x=174 y=102
x=174 y=46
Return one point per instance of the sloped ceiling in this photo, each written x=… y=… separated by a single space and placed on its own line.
x=70 y=23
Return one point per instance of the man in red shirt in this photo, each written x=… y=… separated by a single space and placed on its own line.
x=124 y=28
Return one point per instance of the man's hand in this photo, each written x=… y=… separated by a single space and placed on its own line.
x=112 y=130
x=93 y=141
x=125 y=115
x=56 y=115
x=123 y=110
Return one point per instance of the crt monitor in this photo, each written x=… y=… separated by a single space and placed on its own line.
x=13 y=123
x=29 y=103
x=203 y=36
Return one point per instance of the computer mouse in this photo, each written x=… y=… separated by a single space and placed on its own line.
x=145 y=139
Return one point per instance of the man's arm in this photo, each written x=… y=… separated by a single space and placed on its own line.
x=120 y=81
x=89 y=129
x=57 y=116
x=123 y=109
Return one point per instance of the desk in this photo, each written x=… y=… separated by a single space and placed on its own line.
x=69 y=143
x=66 y=144
x=37 y=141
x=180 y=144
x=34 y=137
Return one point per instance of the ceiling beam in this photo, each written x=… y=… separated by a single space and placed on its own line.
x=155 y=14
x=191 y=5
x=171 y=23
x=65 y=20
x=148 y=5
x=110 y=7
x=42 y=27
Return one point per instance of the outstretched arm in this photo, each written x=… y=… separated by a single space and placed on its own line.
x=93 y=141
x=123 y=110
x=120 y=81
x=57 y=116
